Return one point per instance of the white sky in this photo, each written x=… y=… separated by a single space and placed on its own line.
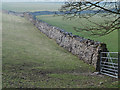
x=42 y=0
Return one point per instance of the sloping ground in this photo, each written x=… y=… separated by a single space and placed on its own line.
x=31 y=60
x=111 y=39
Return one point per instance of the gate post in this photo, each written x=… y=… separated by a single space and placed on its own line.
x=98 y=64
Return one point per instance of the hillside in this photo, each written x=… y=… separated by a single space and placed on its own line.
x=44 y=11
x=32 y=60
x=111 y=39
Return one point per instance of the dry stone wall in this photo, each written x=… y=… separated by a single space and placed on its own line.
x=86 y=49
x=13 y=13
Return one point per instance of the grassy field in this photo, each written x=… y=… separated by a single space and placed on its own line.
x=32 y=60
x=111 y=39
x=27 y=6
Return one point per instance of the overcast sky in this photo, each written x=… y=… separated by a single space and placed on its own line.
x=39 y=0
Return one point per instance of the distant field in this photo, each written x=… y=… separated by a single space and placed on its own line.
x=111 y=40
x=32 y=60
x=27 y=6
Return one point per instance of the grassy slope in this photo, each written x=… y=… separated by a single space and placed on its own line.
x=25 y=7
x=111 y=40
x=30 y=59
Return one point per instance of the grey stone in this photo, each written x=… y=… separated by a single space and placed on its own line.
x=86 y=49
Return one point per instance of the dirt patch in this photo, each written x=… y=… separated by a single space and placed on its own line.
x=26 y=69
x=23 y=71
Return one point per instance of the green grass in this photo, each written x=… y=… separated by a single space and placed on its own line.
x=27 y=6
x=111 y=39
x=32 y=60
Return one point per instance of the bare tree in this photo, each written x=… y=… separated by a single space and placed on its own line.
x=107 y=10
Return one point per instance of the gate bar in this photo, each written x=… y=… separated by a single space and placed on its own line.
x=109 y=75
